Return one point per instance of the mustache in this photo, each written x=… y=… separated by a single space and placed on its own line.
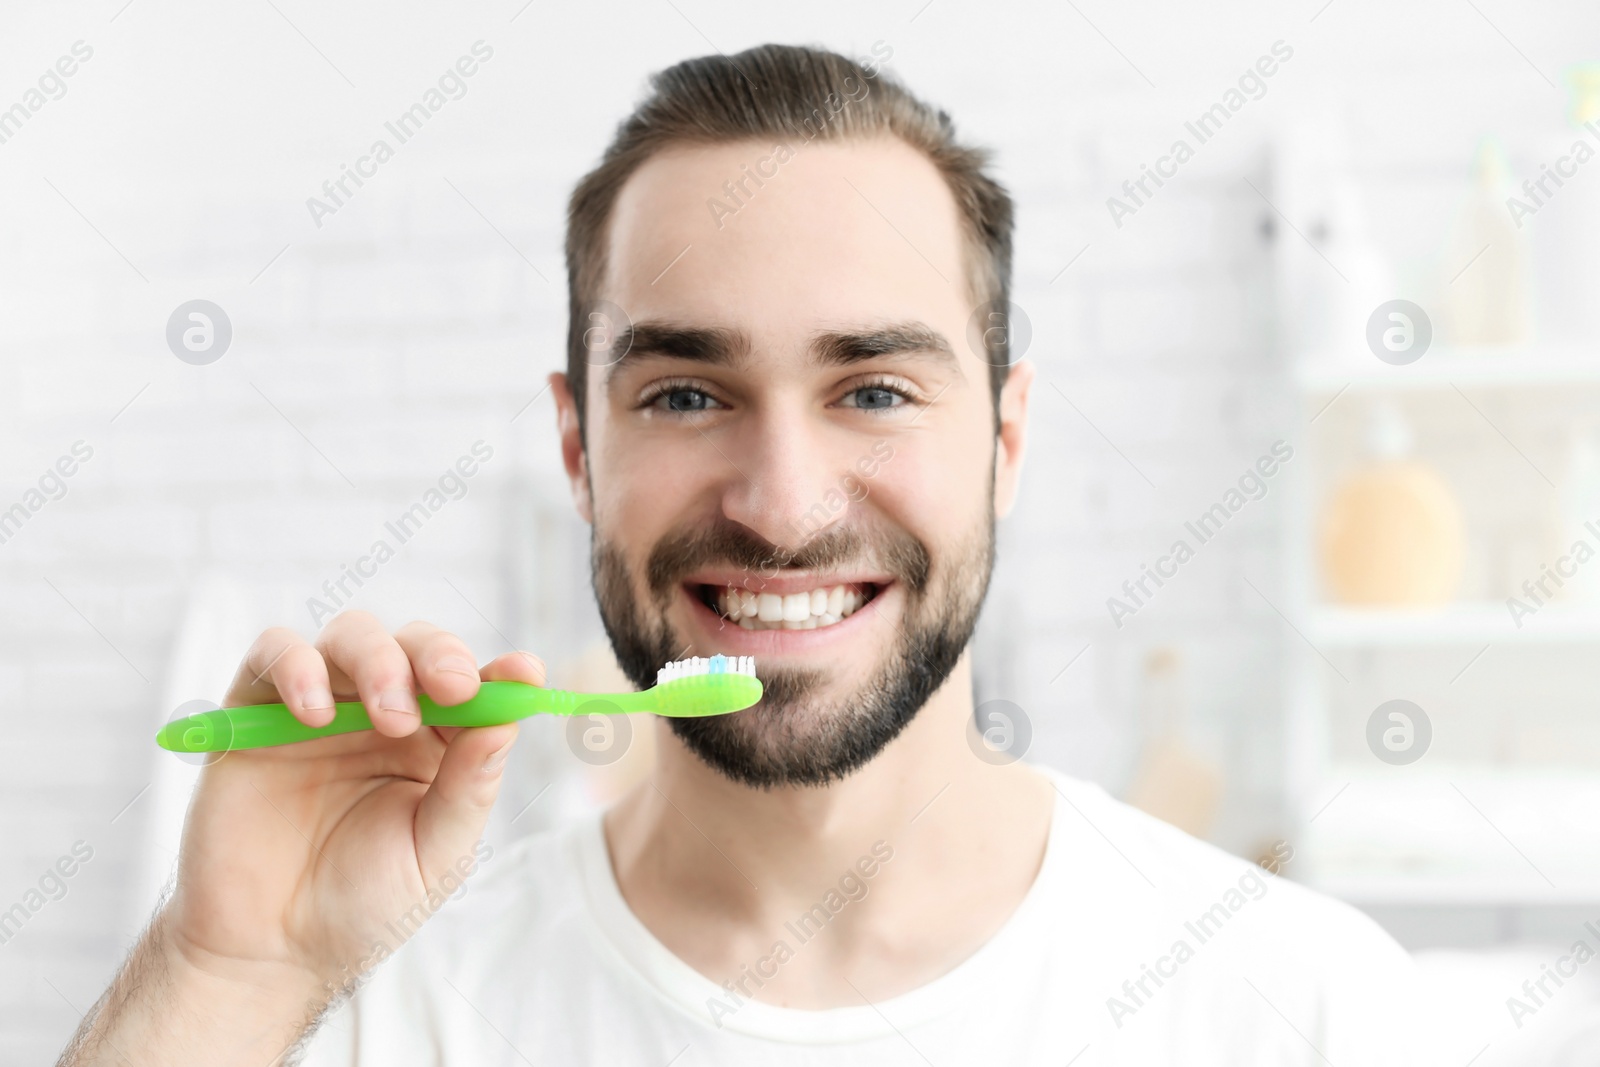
x=686 y=550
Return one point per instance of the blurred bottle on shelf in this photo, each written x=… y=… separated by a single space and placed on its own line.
x=1172 y=781
x=1392 y=534
x=1558 y=207
x=1483 y=293
x=1330 y=289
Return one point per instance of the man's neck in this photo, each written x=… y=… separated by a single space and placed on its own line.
x=916 y=860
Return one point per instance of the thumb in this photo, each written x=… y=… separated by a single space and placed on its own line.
x=454 y=810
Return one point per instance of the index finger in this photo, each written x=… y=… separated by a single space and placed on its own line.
x=282 y=666
x=442 y=663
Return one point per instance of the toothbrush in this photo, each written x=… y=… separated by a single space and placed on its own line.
x=684 y=688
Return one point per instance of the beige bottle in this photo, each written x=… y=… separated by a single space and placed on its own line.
x=1558 y=207
x=1484 y=286
x=1172 y=781
x=1392 y=535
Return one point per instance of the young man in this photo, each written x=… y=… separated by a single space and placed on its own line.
x=792 y=442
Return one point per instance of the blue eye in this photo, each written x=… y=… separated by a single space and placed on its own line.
x=685 y=400
x=875 y=398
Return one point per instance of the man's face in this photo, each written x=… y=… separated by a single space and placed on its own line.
x=796 y=456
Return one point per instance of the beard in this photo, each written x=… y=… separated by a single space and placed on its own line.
x=797 y=735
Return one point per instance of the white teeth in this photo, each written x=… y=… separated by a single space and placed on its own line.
x=769 y=607
x=812 y=610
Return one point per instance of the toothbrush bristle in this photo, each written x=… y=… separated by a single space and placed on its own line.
x=695 y=665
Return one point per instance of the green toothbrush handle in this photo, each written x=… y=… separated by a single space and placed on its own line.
x=266 y=725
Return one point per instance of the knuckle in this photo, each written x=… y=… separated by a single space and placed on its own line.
x=379 y=660
x=346 y=623
x=367 y=653
x=533 y=662
x=417 y=628
x=269 y=650
x=276 y=636
x=355 y=642
x=265 y=646
x=445 y=643
x=300 y=659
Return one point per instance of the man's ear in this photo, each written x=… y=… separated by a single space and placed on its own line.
x=572 y=454
x=1012 y=440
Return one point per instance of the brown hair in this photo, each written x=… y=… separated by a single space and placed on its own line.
x=781 y=91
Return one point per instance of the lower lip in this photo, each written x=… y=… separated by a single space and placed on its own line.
x=729 y=637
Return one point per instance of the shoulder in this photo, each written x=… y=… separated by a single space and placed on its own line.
x=1235 y=945
x=1194 y=879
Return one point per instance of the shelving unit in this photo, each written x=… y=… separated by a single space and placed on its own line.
x=1432 y=833
x=1465 y=624
x=1445 y=368
x=1458 y=836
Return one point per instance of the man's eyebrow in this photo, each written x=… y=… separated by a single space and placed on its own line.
x=703 y=344
x=721 y=346
x=853 y=346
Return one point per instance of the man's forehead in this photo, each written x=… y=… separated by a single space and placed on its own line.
x=865 y=228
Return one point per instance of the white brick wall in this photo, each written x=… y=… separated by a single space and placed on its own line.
x=405 y=329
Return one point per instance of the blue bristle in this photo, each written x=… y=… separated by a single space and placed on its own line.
x=719 y=664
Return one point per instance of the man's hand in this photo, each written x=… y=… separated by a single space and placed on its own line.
x=298 y=861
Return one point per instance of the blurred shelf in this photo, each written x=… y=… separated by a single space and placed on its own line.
x=1456 y=624
x=1456 y=835
x=1443 y=368
x=1423 y=890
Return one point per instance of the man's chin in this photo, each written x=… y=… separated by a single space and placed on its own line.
x=802 y=733
x=835 y=695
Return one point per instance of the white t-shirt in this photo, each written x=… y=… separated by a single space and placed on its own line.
x=1137 y=944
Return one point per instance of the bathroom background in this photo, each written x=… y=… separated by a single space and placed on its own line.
x=1380 y=501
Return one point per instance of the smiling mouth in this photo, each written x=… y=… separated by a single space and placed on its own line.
x=816 y=609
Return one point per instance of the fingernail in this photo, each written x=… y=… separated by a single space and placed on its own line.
x=457 y=665
x=399 y=701
x=316 y=699
x=497 y=759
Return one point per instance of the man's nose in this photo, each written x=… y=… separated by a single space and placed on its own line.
x=787 y=486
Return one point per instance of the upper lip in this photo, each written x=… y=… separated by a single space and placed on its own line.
x=784 y=582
